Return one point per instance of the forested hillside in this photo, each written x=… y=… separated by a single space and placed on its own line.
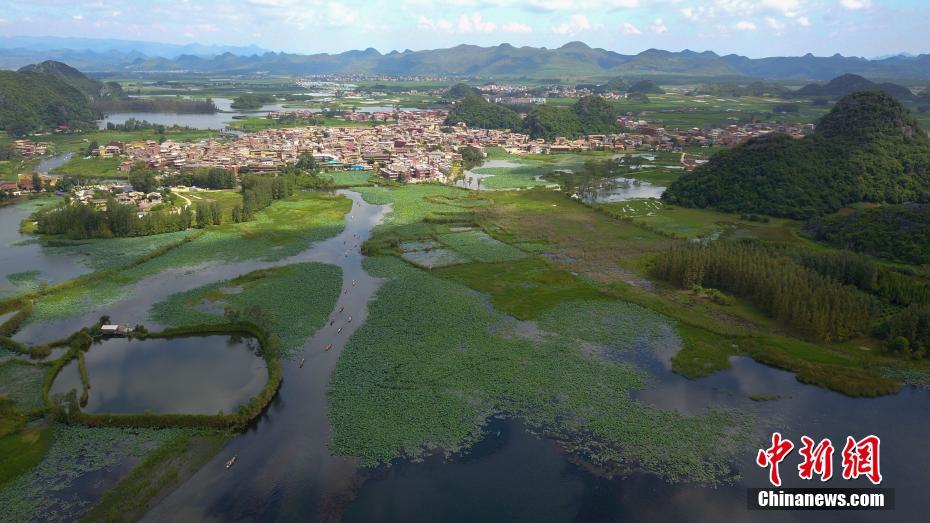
x=32 y=101
x=867 y=148
x=894 y=232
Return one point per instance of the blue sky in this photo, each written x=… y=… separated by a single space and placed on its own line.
x=753 y=28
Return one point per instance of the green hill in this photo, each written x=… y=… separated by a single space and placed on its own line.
x=474 y=111
x=645 y=87
x=91 y=88
x=867 y=148
x=32 y=101
x=849 y=83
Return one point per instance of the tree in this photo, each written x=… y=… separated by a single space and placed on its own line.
x=92 y=148
x=143 y=180
x=36 y=182
x=307 y=163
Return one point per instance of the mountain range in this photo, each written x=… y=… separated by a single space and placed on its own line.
x=572 y=60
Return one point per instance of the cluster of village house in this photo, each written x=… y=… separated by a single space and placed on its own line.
x=411 y=146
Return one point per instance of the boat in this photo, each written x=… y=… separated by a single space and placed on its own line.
x=329 y=346
x=338 y=331
x=332 y=322
x=231 y=462
x=302 y=360
x=350 y=319
x=341 y=309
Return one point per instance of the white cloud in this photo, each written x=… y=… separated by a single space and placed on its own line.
x=340 y=15
x=575 y=25
x=475 y=24
x=803 y=21
x=516 y=27
x=658 y=26
x=434 y=25
x=630 y=29
x=77 y=18
x=855 y=5
x=744 y=25
x=775 y=24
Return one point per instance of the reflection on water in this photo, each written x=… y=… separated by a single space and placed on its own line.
x=23 y=255
x=217 y=120
x=191 y=375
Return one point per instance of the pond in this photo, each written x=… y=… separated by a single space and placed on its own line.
x=190 y=375
x=621 y=189
x=217 y=120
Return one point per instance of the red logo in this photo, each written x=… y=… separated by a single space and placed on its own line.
x=774 y=455
x=860 y=458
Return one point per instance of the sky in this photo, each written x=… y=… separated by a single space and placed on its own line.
x=757 y=28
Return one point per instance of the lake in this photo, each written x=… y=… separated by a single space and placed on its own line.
x=190 y=375
x=217 y=120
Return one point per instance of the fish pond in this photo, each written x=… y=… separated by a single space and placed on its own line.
x=190 y=375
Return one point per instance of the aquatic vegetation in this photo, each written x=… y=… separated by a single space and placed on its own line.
x=26 y=280
x=51 y=491
x=433 y=362
x=162 y=470
x=283 y=229
x=294 y=300
x=22 y=382
x=480 y=247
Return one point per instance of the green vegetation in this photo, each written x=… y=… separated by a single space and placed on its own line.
x=474 y=111
x=867 y=148
x=645 y=87
x=589 y=115
x=251 y=102
x=291 y=301
x=283 y=229
x=168 y=466
x=36 y=491
x=21 y=382
x=34 y=101
x=433 y=362
x=818 y=306
x=895 y=232
x=156 y=104
x=89 y=168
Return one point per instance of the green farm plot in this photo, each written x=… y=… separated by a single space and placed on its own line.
x=75 y=452
x=348 y=178
x=433 y=362
x=92 y=168
x=294 y=300
x=21 y=382
x=480 y=247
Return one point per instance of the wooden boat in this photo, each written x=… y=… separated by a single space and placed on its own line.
x=329 y=346
x=231 y=462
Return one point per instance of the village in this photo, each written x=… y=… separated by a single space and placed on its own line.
x=408 y=146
